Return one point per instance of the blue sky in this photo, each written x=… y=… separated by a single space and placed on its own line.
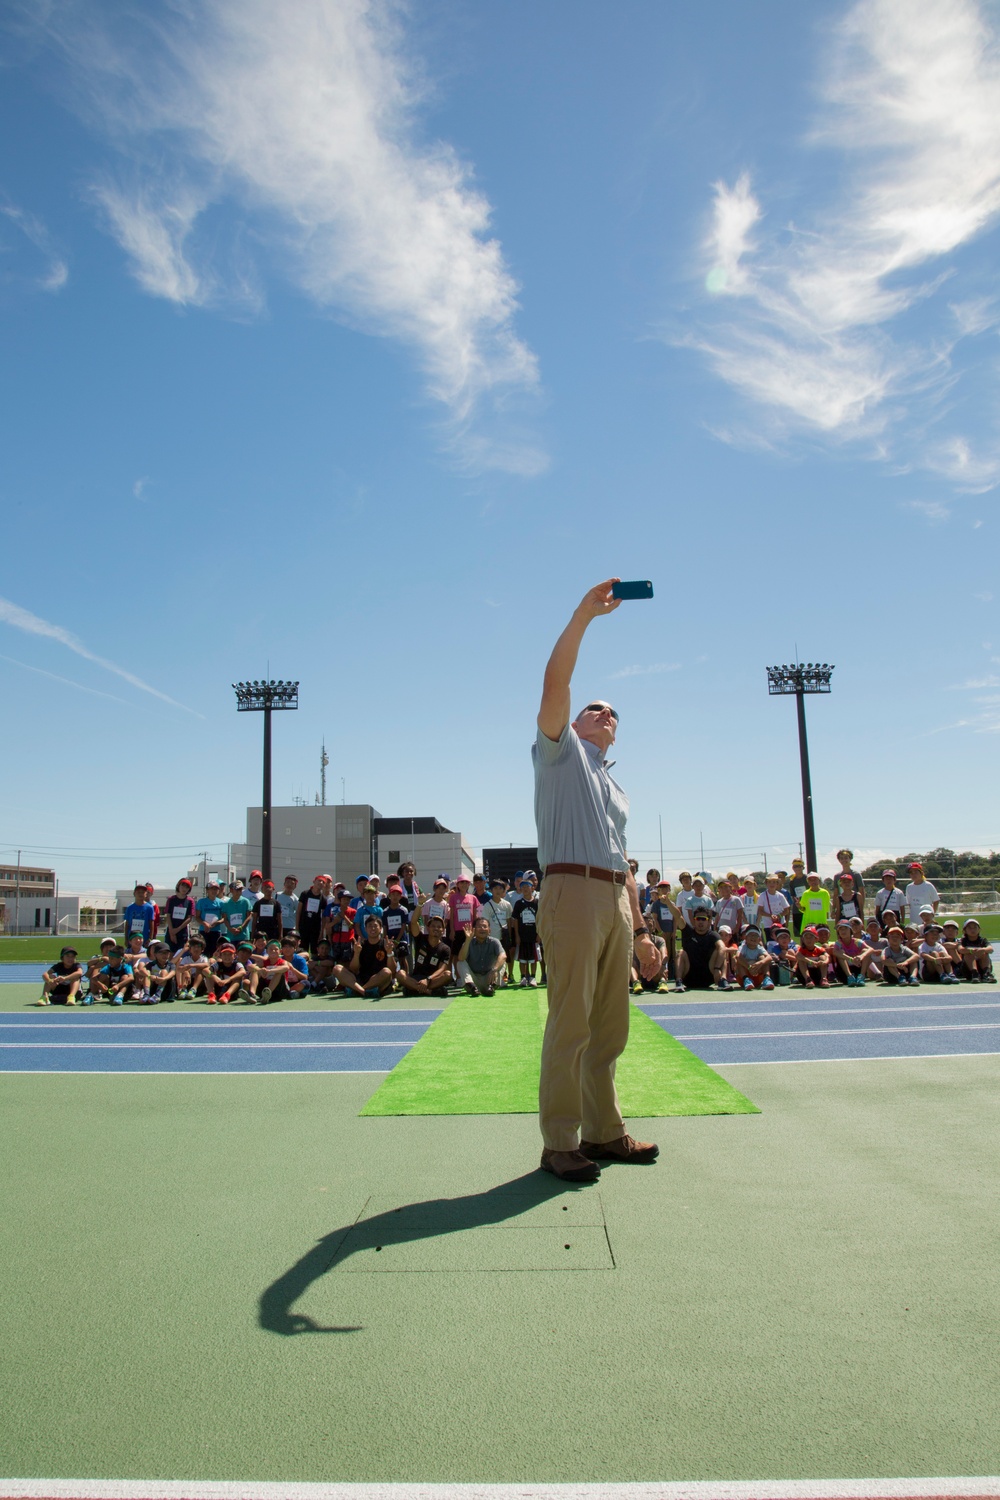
x=361 y=340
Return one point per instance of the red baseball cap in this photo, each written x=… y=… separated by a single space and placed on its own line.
x=259 y=874
x=916 y=866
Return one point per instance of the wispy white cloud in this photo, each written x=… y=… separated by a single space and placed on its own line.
x=304 y=117
x=22 y=619
x=932 y=510
x=642 y=671
x=807 y=320
x=52 y=273
x=66 y=681
x=140 y=487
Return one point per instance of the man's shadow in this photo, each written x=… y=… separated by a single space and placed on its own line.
x=403 y=1225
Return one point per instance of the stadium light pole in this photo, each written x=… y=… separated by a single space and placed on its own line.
x=813 y=677
x=264 y=697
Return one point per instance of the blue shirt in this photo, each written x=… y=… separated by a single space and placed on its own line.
x=139 y=918
x=580 y=811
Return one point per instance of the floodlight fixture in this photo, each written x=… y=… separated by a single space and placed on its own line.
x=812 y=677
x=264 y=697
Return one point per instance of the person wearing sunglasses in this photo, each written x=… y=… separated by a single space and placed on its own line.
x=589 y=919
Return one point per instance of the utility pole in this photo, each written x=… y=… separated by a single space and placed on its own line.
x=813 y=677
x=17 y=895
x=660 y=816
x=324 y=761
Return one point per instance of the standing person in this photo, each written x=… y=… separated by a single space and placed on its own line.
x=309 y=916
x=846 y=857
x=237 y=913
x=180 y=911
x=589 y=919
x=661 y=914
x=407 y=873
x=140 y=914
x=889 y=901
x=919 y=892
x=267 y=917
x=463 y=909
x=396 y=924
x=497 y=910
x=210 y=916
x=729 y=910
x=288 y=901
x=772 y=904
x=255 y=887
x=814 y=902
x=524 y=925
x=845 y=902
x=796 y=885
x=434 y=906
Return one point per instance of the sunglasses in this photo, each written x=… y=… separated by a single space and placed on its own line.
x=598 y=708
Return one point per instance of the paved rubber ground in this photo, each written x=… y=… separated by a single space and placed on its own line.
x=189 y=1287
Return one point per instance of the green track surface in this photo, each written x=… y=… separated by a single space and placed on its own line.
x=189 y=1286
x=481 y=1057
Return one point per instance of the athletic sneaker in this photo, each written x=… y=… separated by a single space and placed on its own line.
x=913 y=979
x=636 y=988
x=265 y=994
x=375 y=994
x=117 y=1000
x=43 y=1001
x=663 y=987
x=723 y=984
x=748 y=984
x=470 y=986
x=244 y=994
x=768 y=984
x=680 y=989
x=533 y=984
x=211 y=1000
x=524 y=984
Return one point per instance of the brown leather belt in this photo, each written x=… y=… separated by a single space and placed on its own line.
x=594 y=872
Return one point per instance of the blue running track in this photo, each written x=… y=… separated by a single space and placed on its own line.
x=102 y=1040
x=842 y=1026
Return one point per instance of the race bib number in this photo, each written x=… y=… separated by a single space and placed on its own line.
x=179 y=913
x=138 y=925
x=312 y=905
x=265 y=911
x=528 y=917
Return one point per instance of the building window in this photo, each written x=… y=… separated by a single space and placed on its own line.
x=393 y=856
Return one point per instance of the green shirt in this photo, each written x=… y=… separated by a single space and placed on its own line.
x=815 y=907
x=236 y=914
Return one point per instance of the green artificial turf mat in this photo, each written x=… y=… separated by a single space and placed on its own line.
x=481 y=1057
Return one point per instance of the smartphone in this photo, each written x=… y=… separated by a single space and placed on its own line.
x=640 y=589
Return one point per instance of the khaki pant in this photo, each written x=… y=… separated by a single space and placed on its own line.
x=586 y=930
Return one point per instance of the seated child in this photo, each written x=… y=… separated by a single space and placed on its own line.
x=899 y=963
x=975 y=954
x=847 y=954
x=193 y=968
x=321 y=980
x=753 y=962
x=114 y=977
x=812 y=961
x=62 y=980
x=731 y=951
x=935 y=960
x=227 y=976
x=160 y=974
x=784 y=952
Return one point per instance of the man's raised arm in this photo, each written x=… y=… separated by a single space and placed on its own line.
x=553 y=715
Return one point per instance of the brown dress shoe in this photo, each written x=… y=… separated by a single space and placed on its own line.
x=571 y=1166
x=623 y=1149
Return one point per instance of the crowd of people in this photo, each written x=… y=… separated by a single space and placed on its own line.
x=798 y=931
x=254 y=944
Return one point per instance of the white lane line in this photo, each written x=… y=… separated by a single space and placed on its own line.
x=747 y=1036
x=200 y=1046
x=790 y=1062
x=985 y=1488
x=61 y=1023
x=859 y=1010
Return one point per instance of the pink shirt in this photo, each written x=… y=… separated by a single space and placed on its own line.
x=463 y=909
